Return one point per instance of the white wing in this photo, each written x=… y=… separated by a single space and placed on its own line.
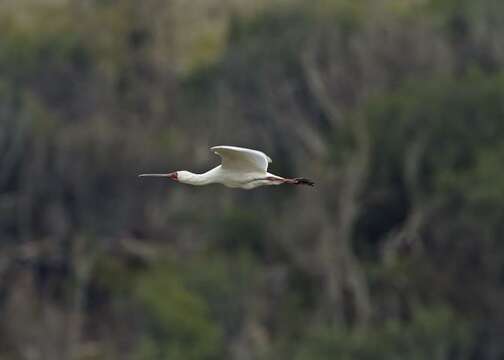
x=241 y=159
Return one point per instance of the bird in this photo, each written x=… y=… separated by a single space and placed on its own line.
x=240 y=168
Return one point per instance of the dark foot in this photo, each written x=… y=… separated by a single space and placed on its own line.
x=304 y=181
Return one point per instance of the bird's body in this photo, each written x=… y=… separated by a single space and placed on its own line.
x=241 y=168
x=232 y=179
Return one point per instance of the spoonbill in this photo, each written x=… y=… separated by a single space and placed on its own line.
x=240 y=168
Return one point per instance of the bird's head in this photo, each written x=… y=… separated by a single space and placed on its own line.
x=182 y=176
x=173 y=175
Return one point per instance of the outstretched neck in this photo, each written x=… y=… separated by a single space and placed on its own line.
x=196 y=179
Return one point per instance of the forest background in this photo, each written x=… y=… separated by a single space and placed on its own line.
x=394 y=107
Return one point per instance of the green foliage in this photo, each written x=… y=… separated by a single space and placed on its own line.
x=432 y=334
x=238 y=229
x=191 y=306
x=24 y=54
x=440 y=113
x=180 y=319
x=86 y=105
x=480 y=183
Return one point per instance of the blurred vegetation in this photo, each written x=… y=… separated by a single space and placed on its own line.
x=394 y=107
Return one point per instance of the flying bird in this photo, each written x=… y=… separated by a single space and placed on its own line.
x=240 y=168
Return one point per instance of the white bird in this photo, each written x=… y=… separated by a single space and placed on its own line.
x=240 y=168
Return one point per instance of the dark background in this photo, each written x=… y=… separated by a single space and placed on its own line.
x=395 y=108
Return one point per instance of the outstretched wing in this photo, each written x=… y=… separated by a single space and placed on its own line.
x=241 y=159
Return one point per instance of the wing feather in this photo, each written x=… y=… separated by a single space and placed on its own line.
x=242 y=159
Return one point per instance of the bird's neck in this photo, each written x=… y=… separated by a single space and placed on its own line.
x=199 y=179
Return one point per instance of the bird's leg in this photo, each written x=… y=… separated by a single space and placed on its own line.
x=305 y=181
x=294 y=181
x=300 y=181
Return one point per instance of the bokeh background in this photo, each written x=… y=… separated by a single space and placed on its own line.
x=394 y=107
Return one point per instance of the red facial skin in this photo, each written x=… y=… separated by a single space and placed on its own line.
x=173 y=176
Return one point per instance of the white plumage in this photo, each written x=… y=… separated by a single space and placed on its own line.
x=238 y=158
x=240 y=168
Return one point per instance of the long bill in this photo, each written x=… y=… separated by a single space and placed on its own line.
x=156 y=175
